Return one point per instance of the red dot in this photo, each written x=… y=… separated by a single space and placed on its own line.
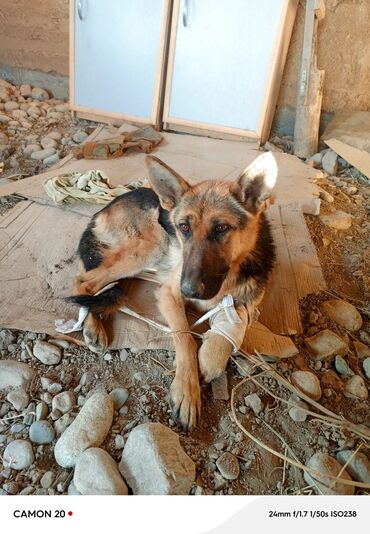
x=70 y=513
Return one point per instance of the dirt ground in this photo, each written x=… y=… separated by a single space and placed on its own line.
x=147 y=375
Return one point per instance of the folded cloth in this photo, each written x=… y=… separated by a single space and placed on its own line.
x=91 y=186
x=141 y=140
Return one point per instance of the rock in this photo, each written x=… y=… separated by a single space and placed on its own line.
x=358 y=467
x=14 y=374
x=31 y=148
x=366 y=367
x=3 y=139
x=18 y=455
x=315 y=160
x=42 y=411
x=64 y=402
x=55 y=116
x=62 y=108
x=362 y=350
x=47 y=142
x=57 y=136
x=54 y=388
x=63 y=423
x=119 y=397
x=51 y=160
x=39 y=94
x=297 y=414
x=342 y=366
x=119 y=442
x=6 y=339
x=42 y=154
x=326 y=196
x=41 y=432
x=154 y=463
x=228 y=466
x=25 y=90
x=330 y=162
x=364 y=336
x=19 y=399
x=342 y=313
x=308 y=383
x=254 y=402
x=17 y=428
x=355 y=388
x=123 y=354
x=89 y=429
x=80 y=136
x=19 y=114
x=4 y=119
x=96 y=473
x=62 y=343
x=11 y=106
x=47 y=353
x=326 y=465
x=339 y=220
x=47 y=479
x=326 y=344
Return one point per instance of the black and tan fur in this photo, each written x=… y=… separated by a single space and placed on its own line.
x=206 y=240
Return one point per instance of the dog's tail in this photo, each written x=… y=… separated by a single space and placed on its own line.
x=106 y=303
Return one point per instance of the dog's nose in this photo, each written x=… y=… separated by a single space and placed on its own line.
x=192 y=290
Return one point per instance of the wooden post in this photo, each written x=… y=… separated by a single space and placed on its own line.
x=310 y=86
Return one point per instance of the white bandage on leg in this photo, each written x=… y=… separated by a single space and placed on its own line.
x=230 y=321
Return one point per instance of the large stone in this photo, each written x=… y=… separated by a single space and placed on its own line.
x=358 y=467
x=339 y=220
x=326 y=344
x=96 y=473
x=308 y=383
x=14 y=374
x=342 y=313
x=41 y=432
x=18 y=455
x=154 y=463
x=325 y=465
x=47 y=353
x=330 y=162
x=355 y=388
x=39 y=94
x=89 y=429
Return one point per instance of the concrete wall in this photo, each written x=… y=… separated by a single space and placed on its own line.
x=34 y=36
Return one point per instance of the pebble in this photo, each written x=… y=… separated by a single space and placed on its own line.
x=41 y=432
x=25 y=90
x=139 y=376
x=31 y=148
x=96 y=473
x=62 y=108
x=330 y=162
x=339 y=220
x=342 y=313
x=295 y=403
x=358 y=467
x=64 y=402
x=54 y=388
x=123 y=410
x=326 y=196
x=19 y=399
x=47 y=142
x=42 y=411
x=89 y=429
x=47 y=479
x=108 y=357
x=4 y=119
x=355 y=388
x=326 y=344
x=18 y=455
x=308 y=383
x=254 y=402
x=3 y=139
x=57 y=136
x=154 y=463
x=366 y=367
x=14 y=374
x=327 y=465
x=365 y=337
x=6 y=339
x=80 y=136
x=51 y=160
x=29 y=414
x=43 y=154
x=342 y=366
x=119 y=442
x=19 y=114
x=315 y=160
x=11 y=106
x=63 y=423
x=28 y=490
x=11 y=488
x=17 y=428
x=228 y=466
x=62 y=343
x=119 y=397
x=47 y=353
x=123 y=355
x=362 y=350
x=39 y=94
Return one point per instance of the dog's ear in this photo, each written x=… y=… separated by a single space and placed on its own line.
x=168 y=185
x=254 y=186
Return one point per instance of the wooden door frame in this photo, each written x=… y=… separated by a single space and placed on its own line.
x=108 y=116
x=272 y=87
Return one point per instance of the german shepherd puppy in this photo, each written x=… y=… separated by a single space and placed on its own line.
x=206 y=241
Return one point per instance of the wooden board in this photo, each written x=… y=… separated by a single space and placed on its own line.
x=356 y=157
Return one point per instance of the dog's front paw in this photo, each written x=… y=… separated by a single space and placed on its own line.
x=95 y=335
x=185 y=399
x=213 y=355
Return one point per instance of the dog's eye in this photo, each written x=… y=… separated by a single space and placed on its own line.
x=184 y=228
x=221 y=228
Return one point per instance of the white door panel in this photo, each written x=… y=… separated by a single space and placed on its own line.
x=116 y=55
x=221 y=61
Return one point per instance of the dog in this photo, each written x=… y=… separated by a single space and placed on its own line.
x=206 y=241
